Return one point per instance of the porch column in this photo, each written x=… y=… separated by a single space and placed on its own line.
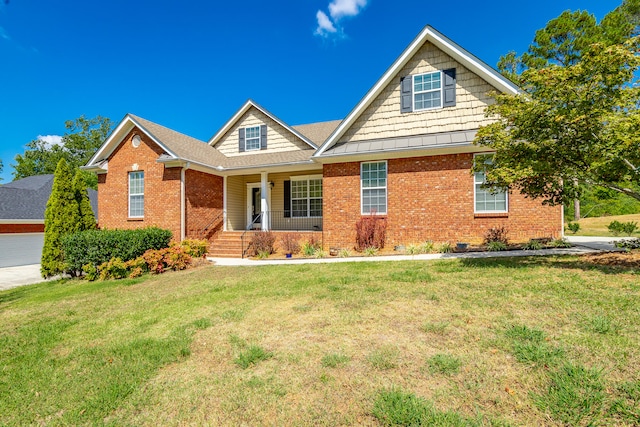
x=224 y=203
x=264 y=207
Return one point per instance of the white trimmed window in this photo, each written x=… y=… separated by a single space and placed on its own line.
x=427 y=91
x=252 y=138
x=136 y=194
x=306 y=196
x=373 y=187
x=486 y=199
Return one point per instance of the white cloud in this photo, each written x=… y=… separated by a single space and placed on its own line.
x=342 y=8
x=50 y=140
x=3 y=34
x=325 y=26
x=338 y=9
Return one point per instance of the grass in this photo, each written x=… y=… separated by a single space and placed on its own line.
x=598 y=226
x=514 y=341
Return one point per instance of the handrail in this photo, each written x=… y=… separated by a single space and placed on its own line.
x=203 y=232
x=249 y=227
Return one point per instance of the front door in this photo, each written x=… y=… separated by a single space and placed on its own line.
x=254 y=204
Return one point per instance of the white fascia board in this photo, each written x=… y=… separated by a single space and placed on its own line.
x=445 y=44
x=116 y=137
x=247 y=105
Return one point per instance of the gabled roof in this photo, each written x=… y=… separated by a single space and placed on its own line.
x=318 y=132
x=26 y=198
x=176 y=145
x=247 y=105
x=442 y=42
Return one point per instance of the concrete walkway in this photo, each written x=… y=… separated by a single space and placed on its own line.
x=11 y=277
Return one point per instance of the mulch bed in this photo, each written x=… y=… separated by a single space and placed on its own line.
x=615 y=259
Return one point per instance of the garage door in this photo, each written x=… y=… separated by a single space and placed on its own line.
x=20 y=249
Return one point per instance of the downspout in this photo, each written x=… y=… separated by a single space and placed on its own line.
x=183 y=202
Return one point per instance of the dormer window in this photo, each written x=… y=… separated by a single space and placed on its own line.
x=252 y=138
x=252 y=141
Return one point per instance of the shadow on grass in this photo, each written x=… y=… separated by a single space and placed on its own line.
x=556 y=261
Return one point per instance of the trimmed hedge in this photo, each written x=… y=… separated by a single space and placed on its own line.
x=96 y=247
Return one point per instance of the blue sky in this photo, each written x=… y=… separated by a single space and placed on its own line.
x=190 y=65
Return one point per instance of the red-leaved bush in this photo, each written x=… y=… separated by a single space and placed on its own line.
x=370 y=232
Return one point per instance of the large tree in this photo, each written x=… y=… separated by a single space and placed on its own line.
x=81 y=140
x=577 y=119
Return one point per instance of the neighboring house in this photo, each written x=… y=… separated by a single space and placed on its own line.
x=22 y=206
x=404 y=153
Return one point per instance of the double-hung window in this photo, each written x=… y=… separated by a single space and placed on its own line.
x=252 y=138
x=306 y=196
x=427 y=91
x=136 y=194
x=487 y=199
x=373 y=187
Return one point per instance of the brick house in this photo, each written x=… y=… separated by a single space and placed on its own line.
x=404 y=153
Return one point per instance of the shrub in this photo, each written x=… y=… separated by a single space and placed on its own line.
x=115 y=268
x=629 y=228
x=426 y=247
x=99 y=246
x=195 y=247
x=574 y=227
x=176 y=257
x=290 y=243
x=445 y=248
x=370 y=232
x=136 y=267
x=344 y=253
x=91 y=272
x=532 y=245
x=615 y=228
x=496 y=246
x=263 y=241
x=154 y=258
x=320 y=253
x=370 y=251
x=560 y=243
x=496 y=234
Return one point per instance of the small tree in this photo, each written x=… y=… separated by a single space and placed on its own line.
x=86 y=218
x=60 y=218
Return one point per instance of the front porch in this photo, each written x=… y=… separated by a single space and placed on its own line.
x=273 y=202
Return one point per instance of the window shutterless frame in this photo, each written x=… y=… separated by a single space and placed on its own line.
x=427 y=91
x=306 y=196
x=373 y=188
x=252 y=138
x=136 y=194
x=489 y=198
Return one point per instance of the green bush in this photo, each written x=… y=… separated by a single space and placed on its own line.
x=628 y=244
x=496 y=246
x=629 y=228
x=574 y=227
x=532 y=245
x=99 y=246
x=615 y=228
x=195 y=247
x=115 y=268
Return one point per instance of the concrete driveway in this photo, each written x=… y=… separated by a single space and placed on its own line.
x=20 y=249
x=11 y=277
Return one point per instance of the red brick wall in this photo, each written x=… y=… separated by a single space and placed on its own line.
x=161 y=188
x=428 y=198
x=21 y=228
x=204 y=202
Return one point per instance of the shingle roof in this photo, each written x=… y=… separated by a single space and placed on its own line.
x=318 y=132
x=183 y=146
x=267 y=159
x=27 y=198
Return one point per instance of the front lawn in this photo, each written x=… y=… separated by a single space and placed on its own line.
x=597 y=226
x=515 y=341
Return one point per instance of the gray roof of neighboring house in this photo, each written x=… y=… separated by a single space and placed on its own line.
x=27 y=198
x=433 y=140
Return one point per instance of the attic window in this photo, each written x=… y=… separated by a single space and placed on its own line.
x=427 y=91
x=135 y=141
x=252 y=141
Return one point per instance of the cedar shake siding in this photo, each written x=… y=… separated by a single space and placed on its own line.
x=161 y=188
x=429 y=198
x=277 y=139
x=384 y=119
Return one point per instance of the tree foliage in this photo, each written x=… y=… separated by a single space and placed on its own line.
x=577 y=119
x=81 y=140
x=61 y=218
x=68 y=211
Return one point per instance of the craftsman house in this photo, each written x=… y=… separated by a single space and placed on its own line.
x=404 y=153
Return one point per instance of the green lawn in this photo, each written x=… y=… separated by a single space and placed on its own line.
x=525 y=341
x=597 y=226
